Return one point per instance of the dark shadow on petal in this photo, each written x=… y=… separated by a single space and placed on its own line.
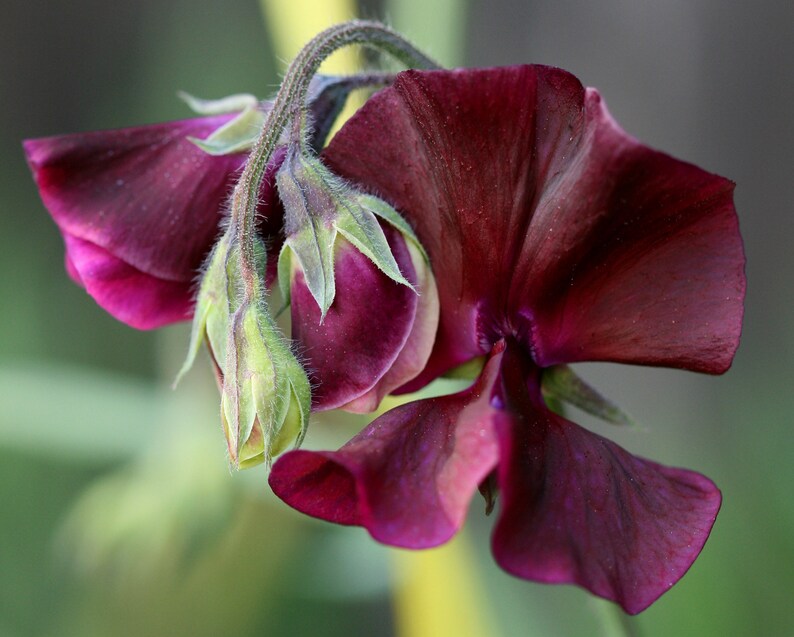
x=409 y=477
x=578 y=509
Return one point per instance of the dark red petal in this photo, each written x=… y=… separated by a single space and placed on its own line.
x=149 y=201
x=365 y=328
x=576 y=508
x=545 y=221
x=408 y=477
x=133 y=297
x=146 y=194
x=656 y=273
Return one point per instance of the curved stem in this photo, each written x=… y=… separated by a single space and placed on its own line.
x=291 y=97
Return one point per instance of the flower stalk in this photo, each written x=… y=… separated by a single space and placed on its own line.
x=289 y=102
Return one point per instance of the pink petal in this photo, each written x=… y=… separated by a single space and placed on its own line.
x=576 y=508
x=363 y=332
x=137 y=299
x=545 y=221
x=145 y=196
x=408 y=477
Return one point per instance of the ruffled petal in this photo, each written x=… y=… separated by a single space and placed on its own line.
x=365 y=329
x=146 y=198
x=408 y=477
x=576 y=508
x=129 y=295
x=139 y=193
x=653 y=265
x=547 y=222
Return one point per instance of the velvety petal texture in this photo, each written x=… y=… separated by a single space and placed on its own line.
x=139 y=209
x=546 y=222
x=408 y=477
x=574 y=508
x=554 y=237
x=363 y=333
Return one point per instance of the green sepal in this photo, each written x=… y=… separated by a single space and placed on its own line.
x=235 y=136
x=394 y=218
x=360 y=226
x=228 y=104
x=284 y=270
x=213 y=305
x=313 y=248
x=561 y=383
x=318 y=207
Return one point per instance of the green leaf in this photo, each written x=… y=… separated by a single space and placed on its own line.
x=72 y=412
x=235 y=136
x=561 y=383
x=228 y=104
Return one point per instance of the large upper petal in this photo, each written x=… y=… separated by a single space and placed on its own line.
x=408 y=477
x=545 y=221
x=576 y=508
x=147 y=199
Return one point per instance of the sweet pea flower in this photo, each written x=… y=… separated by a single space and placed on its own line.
x=554 y=238
x=139 y=209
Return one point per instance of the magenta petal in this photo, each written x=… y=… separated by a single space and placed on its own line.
x=148 y=199
x=408 y=477
x=364 y=330
x=576 y=508
x=656 y=273
x=133 y=297
x=138 y=192
x=547 y=222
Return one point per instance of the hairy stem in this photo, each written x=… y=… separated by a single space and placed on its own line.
x=289 y=102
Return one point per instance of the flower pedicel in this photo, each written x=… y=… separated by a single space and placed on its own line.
x=553 y=238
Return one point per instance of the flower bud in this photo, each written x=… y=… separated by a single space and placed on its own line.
x=363 y=296
x=265 y=394
x=318 y=207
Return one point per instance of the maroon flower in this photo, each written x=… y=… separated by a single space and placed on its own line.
x=554 y=238
x=139 y=210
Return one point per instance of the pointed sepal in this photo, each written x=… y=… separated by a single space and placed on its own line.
x=228 y=104
x=318 y=208
x=266 y=395
x=561 y=384
x=235 y=136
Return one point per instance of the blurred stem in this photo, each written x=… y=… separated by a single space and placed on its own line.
x=614 y=622
x=439 y=27
x=437 y=592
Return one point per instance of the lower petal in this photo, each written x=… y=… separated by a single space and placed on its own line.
x=578 y=509
x=408 y=477
x=138 y=299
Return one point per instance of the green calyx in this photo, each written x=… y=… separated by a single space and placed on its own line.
x=561 y=384
x=325 y=99
x=319 y=207
x=265 y=395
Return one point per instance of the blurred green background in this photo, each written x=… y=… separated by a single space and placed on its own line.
x=118 y=514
